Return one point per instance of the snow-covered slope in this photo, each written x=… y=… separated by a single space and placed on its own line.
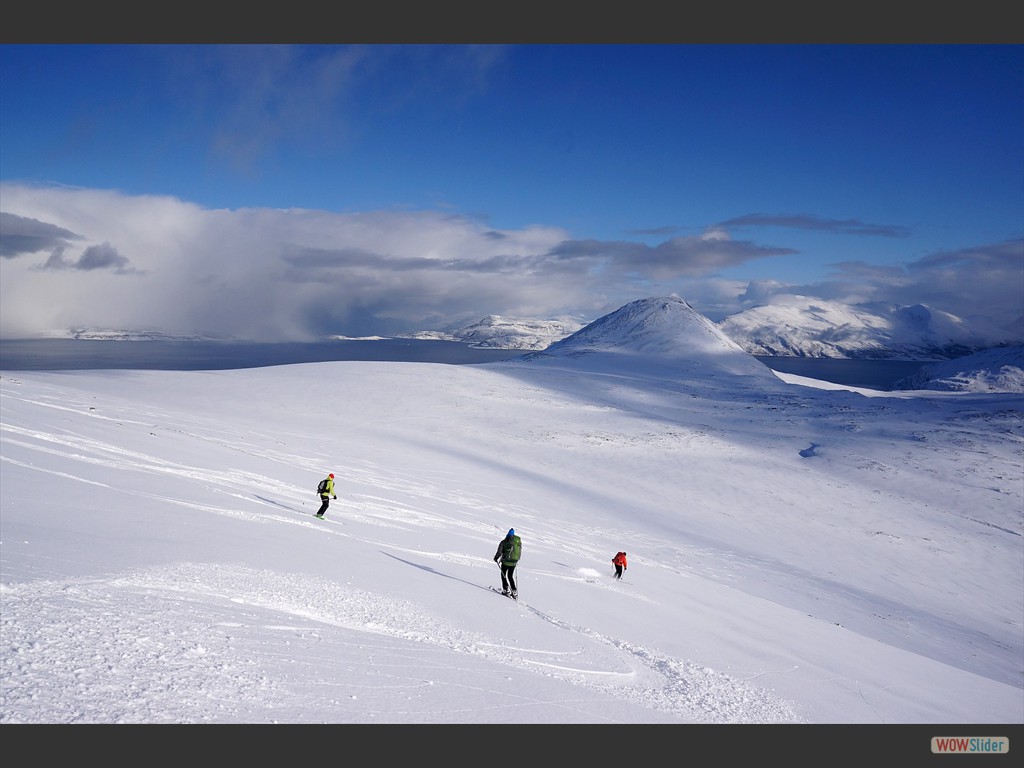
x=800 y=326
x=507 y=333
x=993 y=370
x=796 y=554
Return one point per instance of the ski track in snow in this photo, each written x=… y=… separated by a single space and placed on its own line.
x=74 y=647
x=62 y=665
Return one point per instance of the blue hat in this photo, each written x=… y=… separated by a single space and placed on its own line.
x=511 y=531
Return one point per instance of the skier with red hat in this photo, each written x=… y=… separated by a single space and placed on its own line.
x=326 y=491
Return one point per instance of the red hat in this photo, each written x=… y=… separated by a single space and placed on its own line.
x=331 y=475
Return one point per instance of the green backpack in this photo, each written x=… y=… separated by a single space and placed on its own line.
x=514 y=550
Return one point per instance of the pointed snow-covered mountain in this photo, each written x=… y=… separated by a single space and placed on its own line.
x=661 y=332
x=802 y=326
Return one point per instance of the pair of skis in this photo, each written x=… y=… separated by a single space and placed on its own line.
x=506 y=594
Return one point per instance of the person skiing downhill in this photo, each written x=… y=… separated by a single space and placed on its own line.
x=326 y=494
x=619 y=561
x=507 y=556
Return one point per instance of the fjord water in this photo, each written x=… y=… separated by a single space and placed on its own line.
x=166 y=355
x=868 y=374
x=82 y=354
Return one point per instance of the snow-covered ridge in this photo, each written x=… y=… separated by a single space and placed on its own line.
x=105 y=334
x=801 y=326
x=499 y=332
x=992 y=370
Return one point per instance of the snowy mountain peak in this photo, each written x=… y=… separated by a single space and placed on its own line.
x=662 y=329
x=656 y=325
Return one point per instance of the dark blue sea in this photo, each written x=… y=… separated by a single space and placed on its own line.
x=163 y=355
x=79 y=354
x=867 y=374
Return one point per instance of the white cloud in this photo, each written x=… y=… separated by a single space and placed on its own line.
x=91 y=258
x=717 y=233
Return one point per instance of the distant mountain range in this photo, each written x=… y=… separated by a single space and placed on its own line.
x=795 y=326
x=792 y=326
x=104 y=334
x=670 y=329
x=507 y=333
x=799 y=326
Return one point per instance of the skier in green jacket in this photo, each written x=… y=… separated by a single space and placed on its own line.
x=509 y=550
x=326 y=494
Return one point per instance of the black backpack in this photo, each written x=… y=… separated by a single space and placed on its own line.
x=322 y=488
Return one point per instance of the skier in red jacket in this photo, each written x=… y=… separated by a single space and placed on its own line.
x=619 y=561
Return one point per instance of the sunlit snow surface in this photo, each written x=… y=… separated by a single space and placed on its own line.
x=798 y=553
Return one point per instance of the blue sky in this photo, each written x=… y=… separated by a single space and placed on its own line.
x=428 y=183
